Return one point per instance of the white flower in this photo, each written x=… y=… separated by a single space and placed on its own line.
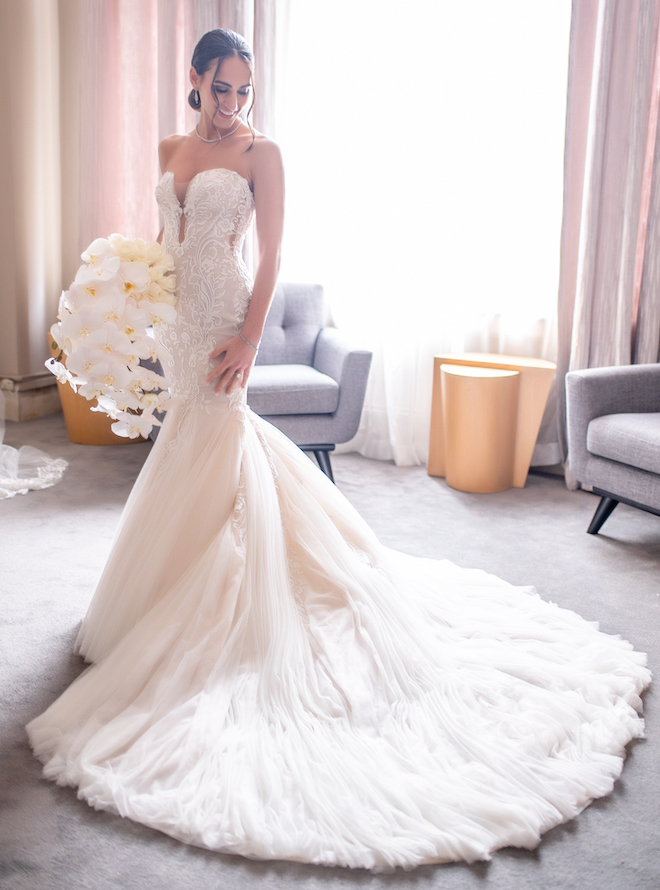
x=105 y=378
x=106 y=298
x=158 y=313
x=60 y=371
x=141 y=348
x=116 y=403
x=134 y=321
x=111 y=340
x=75 y=328
x=97 y=252
x=127 y=401
x=86 y=289
x=58 y=337
x=133 y=425
x=82 y=360
x=123 y=289
x=153 y=401
x=105 y=269
x=124 y=248
x=147 y=379
x=135 y=278
x=107 y=405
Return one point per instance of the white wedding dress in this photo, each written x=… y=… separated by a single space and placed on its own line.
x=269 y=680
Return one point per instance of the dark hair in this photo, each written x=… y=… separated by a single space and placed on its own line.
x=220 y=44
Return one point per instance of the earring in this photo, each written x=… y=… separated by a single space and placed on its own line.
x=198 y=101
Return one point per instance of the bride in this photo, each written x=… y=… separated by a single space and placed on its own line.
x=267 y=679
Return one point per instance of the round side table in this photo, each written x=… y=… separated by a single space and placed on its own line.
x=480 y=407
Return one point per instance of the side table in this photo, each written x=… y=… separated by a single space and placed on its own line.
x=534 y=381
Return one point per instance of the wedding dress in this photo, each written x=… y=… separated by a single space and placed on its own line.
x=270 y=680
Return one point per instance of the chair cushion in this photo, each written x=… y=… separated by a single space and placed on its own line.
x=291 y=389
x=632 y=439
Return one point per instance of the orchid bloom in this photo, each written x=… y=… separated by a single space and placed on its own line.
x=133 y=425
x=111 y=340
x=76 y=327
x=97 y=252
x=159 y=313
x=134 y=279
x=61 y=372
x=104 y=270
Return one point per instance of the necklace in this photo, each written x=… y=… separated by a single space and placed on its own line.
x=224 y=135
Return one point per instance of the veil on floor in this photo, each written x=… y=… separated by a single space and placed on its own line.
x=27 y=468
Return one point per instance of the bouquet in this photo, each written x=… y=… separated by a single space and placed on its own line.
x=121 y=292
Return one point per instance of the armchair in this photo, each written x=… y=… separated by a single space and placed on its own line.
x=306 y=380
x=613 y=420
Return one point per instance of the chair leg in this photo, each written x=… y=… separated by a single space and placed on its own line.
x=323 y=458
x=603 y=511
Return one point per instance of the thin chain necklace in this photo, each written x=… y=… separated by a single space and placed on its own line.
x=224 y=135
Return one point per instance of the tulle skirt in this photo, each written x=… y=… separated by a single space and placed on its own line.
x=269 y=680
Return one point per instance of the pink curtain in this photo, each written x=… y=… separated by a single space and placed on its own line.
x=609 y=278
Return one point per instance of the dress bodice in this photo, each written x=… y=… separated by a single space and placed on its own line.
x=213 y=285
x=218 y=203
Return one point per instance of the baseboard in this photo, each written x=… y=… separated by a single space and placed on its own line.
x=30 y=398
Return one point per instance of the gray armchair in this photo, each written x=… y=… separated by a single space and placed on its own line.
x=613 y=419
x=307 y=381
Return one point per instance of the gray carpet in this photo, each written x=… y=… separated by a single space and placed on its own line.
x=53 y=544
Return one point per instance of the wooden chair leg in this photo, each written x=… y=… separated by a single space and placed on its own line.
x=603 y=511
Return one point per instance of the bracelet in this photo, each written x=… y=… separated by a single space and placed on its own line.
x=245 y=340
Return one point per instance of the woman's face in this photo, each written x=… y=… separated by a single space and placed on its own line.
x=231 y=85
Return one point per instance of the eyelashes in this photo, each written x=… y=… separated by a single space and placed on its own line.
x=223 y=90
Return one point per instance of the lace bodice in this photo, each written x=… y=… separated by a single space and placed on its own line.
x=213 y=284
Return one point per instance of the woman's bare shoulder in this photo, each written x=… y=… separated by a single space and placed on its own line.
x=265 y=152
x=167 y=147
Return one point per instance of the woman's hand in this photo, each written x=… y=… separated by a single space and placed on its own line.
x=235 y=363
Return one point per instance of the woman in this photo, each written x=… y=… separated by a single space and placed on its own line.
x=268 y=679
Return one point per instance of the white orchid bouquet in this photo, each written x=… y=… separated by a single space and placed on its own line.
x=123 y=289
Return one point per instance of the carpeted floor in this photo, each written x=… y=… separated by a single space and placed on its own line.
x=53 y=544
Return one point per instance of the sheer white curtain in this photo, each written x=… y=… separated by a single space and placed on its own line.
x=423 y=144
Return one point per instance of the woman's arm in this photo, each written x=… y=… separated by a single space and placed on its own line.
x=268 y=185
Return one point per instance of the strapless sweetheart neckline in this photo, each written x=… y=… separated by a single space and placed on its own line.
x=174 y=182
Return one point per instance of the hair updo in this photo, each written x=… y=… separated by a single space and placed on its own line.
x=219 y=44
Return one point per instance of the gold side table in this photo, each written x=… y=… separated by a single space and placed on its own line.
x=534 y=381
x=480 y=407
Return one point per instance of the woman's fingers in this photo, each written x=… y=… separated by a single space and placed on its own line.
x=233 y=368
x=235 y=380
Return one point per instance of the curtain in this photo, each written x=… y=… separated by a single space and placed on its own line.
x=423 y=147
x=135 y=58
x=609 y=313
x=30 y=246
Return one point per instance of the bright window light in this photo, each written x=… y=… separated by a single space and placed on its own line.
x=423 y=145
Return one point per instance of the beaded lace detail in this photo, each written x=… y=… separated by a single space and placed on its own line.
x=213 y=284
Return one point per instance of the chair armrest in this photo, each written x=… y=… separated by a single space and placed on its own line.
x=332 y=353
x=595 y=392
x=350 y=368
